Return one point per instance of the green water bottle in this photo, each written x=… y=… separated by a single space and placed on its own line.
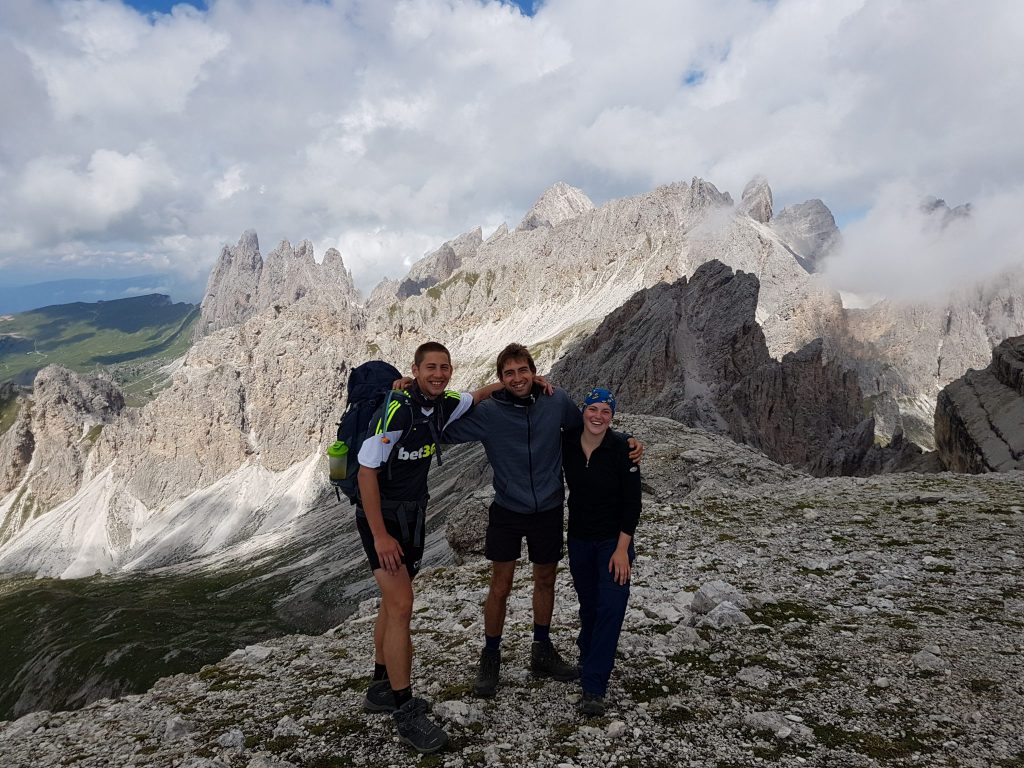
x=337 y=456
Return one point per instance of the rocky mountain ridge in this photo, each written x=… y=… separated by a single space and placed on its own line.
x=692 y=350
x=257 y=396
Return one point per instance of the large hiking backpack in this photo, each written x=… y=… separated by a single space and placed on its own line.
x=368 y=387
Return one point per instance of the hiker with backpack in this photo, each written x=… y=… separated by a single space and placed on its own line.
x=604 y=509
x=393 y=461
x=521 y=430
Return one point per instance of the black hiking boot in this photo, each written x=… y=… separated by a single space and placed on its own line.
x=545 y=662
x=416 y=729
x=487 y=676
x=591 y=705
x=379 y=697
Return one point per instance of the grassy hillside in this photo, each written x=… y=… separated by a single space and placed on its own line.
x=129 y=335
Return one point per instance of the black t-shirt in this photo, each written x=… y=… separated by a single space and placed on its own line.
x=400 y=426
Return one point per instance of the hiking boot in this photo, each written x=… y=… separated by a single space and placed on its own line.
x=545 y=662
x=379 y=697
x=591 y=705
x=416 y=729
x=487 y=676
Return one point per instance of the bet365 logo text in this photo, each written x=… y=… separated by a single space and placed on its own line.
x=422 y=453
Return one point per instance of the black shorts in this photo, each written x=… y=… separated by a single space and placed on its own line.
x=506 y=529
x=412 y=554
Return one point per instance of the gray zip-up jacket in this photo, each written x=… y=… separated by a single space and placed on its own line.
x=523 y=441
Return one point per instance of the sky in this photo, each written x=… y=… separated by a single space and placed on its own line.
x=139 y=138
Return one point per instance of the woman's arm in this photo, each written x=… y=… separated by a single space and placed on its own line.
x=619 y=565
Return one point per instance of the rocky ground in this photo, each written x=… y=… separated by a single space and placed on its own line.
x=775 y=619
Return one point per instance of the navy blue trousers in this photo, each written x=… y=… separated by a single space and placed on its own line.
x=602 y=609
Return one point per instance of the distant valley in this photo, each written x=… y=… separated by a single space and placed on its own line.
x=130 y=337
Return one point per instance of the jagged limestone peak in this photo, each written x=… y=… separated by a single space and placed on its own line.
x=232 y=286
x=704 y=195
x=559 y=203
x=500 y=232
x=809 y=230
x=756 y=201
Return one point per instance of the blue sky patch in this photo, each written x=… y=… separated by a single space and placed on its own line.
x=162 y=6
x=694 y=77
x=528 y=7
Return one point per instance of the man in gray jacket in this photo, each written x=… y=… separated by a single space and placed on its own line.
x=521 y=429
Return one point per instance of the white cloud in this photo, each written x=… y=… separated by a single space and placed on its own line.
x=109 y=61
x=387 y=128
x=63 y=197
x=901 y=249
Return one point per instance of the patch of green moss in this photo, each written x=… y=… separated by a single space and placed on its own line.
x=982 y=685
x=8 y=413
x=329 y=761
x=280 y=744
x=782 y=612
x=455 y=691
x=871 y=744
x=676 y=716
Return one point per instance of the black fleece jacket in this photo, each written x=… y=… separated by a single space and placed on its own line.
x=604 y=493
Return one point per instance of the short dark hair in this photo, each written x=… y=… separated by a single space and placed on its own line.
x=430 y=346
x=515 y=352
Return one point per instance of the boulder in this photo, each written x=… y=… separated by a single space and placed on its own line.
x=979 y=418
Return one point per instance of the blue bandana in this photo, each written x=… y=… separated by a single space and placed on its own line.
x=599 y=395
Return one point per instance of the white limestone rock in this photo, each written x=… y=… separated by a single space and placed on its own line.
x=809 y=230
x=714 y=593
x=756 y=200
x=559 y=203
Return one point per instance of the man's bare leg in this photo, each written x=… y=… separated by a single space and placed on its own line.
x=544 y=592
x=544 y=659
x=393 y=624
x=495 y=608
x=496 y=604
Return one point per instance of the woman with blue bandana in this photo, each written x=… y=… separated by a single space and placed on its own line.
x=604 y=508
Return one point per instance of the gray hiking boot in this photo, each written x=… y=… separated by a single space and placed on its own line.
x=545 y=662
x=591 y=705
x=416 y=729
x=379 y=697
x=487 y=676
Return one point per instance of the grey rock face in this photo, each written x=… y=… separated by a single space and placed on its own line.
x=671 y=350
x=756 y=201
x=979 y=418
x=57 y=432
x=17 y=441
x=250 y=393
x=559 y=203
x=439 y=265
x=230 y=296
x=809 y=229
x=243 y=284
x=693 y=351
